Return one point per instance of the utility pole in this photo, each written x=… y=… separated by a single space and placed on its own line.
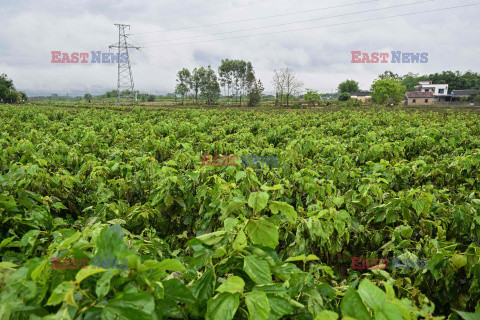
x=125 y=77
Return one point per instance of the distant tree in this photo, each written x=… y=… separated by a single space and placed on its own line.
x=291 y=84
x=209 y=86
x=88 y=97
x=111 y=94
x=389 y=75
x=151 y=98
x=474 y=97
x=184 y=79
x=255 y=94
x=7 y=90
x=312 y=97
x=237 y=77
x=387 y=91
x=23 y=96
x=348 y=86
x=278 y=83
x=353 y=103
x=410 y=80
x=196 y=81
x=344 y=96
x=226 y=74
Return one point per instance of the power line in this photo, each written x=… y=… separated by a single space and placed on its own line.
x=168 y=64
x=152 y=54
x=189 y=9
x=265 y=17
x=223 y=2
x=125 y=77
x=296 y=22
x=317 y=27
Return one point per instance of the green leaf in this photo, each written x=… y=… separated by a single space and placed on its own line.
x=371 y=294
x=230 y=223
x=468 y=315
x=202 y=288
x=7 y=265
x=110 y=244
x=405 y=231
x=235 y=205
x=312 y=257
x=233 y=284
x=6 y=241
x=284 y=208
x=274 y=188
x=130 y=304
x=87 y=272
x=223 y=306
x=280 y=306
x=67 y=242
x=338 y=201
x=388 y=312
x=212 y=238
x=59 y=293
x=7 y=202
x=258 y=306
x=103 y=285
x=239 y=175
x=297 y=258
x=327 y=315
x=420 y=206
x=240 y=241
x=257 y=269
x=263 y=232
x=258 y=201
x=302 y=257
x=177 y=291
x=459 y=260
x=167 y=264
x=352 y=306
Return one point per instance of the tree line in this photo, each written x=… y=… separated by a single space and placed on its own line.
x=8 y=93
x=235 y=77
x=390 y=87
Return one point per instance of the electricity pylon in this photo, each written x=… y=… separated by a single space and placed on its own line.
x=125 y=77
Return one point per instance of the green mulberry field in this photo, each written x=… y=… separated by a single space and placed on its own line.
x=185 y=240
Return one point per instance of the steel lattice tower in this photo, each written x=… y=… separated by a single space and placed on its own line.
x=125 y=77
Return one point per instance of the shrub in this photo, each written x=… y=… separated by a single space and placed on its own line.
x=344 y=97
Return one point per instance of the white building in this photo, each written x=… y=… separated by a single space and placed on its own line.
x=440 y=91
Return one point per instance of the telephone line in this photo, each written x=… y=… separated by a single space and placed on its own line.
x=259 y=18
x=296 y=22
x=317 y=27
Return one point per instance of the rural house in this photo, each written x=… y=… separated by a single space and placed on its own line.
x=362 y=96
x=419 y=98
x=439 y=91
x=459 y=94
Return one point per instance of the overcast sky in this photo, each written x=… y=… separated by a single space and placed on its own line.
x=207 y=32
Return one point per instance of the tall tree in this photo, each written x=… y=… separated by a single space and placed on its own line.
x=312 y=97
x=88 y=97
x=348 y=86
x=389 y=75
x=8 y=92
x=387 y=91
x=236 y=77
x=209 y=86
x=255 y=94
x=196 y=81
x=286 y=84
x=410 y=80
x=183 y=83
x=292 y=84
x=226 y=75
